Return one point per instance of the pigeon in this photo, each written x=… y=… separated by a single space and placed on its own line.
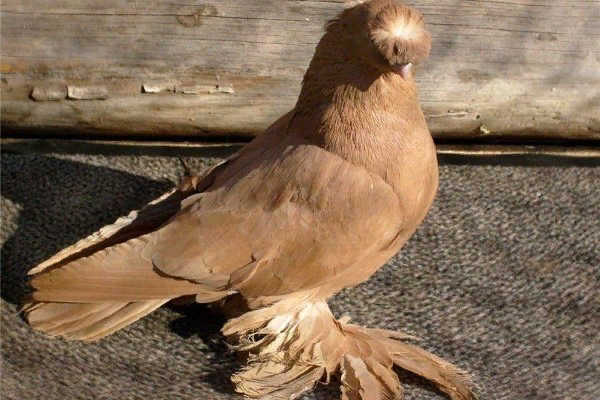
x=316 y=203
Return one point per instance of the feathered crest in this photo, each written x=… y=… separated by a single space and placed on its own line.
x=399 y=33
x=396 y=31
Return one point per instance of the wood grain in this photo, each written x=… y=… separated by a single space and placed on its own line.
x=520 y=68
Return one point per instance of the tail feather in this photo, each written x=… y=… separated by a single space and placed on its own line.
x=125 y=316
x=87 y=321
x=55 y=317
x=91 y=297
x=289 y=352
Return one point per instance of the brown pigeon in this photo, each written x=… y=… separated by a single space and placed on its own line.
x=317 y=203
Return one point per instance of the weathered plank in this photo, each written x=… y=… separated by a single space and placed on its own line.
x=498 y=68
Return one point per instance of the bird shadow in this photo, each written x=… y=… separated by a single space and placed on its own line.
x=205 y=321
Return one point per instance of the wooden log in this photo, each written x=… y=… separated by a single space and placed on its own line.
x=518 y=68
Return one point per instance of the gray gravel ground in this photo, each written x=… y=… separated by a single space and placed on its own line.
x=503 y=279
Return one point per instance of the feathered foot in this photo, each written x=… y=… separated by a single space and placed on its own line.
x=289 y=352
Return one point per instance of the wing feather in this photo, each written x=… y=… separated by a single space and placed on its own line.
x=135 y=224
x=293 y=219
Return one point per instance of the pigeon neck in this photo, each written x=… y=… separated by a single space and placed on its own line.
x=370 y=119
x=353 y=102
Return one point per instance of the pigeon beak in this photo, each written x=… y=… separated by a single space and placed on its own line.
x=402 y=69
